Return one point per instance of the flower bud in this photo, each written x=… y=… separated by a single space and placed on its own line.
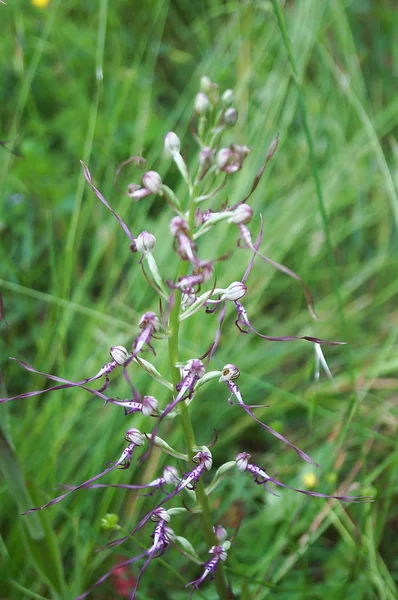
x=145 y=242
x=230 y=117
x=119 y=354
x=169 y=534
x=223 y=157
x=242 y=460
x=220 y=533
x=170 y=475
x=135 y=437
x=205 y=84
x=202 y=104
x=243 y=213
x=149 y=406
x=152 y=181
x=234 y=291
x=229 y=373
x=172 y=144
x=228 y=98
x=206 y=156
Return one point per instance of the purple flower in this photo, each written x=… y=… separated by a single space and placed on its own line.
x=162 y=536
x=135 y=439
x=261 y=478
x=209 y=568
x=149 y=323
x=189 y=480
x=190 y=284
x=229 y=374
x=120 y=357
x=243 y=214
x=148 y=406
x=183 y=245
x=169 y=477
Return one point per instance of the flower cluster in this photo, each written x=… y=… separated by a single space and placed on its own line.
x=194 y=290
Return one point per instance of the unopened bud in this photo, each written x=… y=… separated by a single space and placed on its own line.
x=234 y=291
x=172 y=144
x=145 y=242
x=243 y=213
x=228 y=98
x=230 y=117
x=206 y=156
x=202 y=104
x=149 y=406
x=223 y=157
x=220 y=533
x=229 y=373
x=206 y=84
x=119 y=354
x=152 y=181
x=135 y=437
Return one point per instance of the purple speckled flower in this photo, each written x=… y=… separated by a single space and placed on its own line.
x=209 y=567
x=135 y=439
x=229 y=374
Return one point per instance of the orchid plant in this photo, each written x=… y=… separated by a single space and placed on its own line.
x=192 y=291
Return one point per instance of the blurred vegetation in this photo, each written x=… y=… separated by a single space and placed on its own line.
x=100 y=81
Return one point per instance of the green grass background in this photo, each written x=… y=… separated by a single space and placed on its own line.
x=100 y=81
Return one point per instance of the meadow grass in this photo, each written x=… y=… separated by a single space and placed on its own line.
x=102 y=81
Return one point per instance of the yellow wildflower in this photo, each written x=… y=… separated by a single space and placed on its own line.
x=40 y=3
x=309 y=480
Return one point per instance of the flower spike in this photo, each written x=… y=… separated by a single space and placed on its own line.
x=229 y=374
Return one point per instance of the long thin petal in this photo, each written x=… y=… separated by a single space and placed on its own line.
x=88 y=178
x=73 y=489
x=280 y=437
x=353 y=499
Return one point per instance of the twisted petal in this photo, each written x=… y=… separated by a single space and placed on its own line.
x=88 y=178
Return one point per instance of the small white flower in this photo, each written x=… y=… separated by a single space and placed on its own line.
x=234 y=291
x=135 y=437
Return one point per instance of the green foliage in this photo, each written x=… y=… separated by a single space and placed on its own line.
x=101 y=81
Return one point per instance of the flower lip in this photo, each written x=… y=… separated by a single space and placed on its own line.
x=229 y=373
x=177 y=225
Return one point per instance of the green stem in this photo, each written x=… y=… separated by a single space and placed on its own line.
x=186 y=422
